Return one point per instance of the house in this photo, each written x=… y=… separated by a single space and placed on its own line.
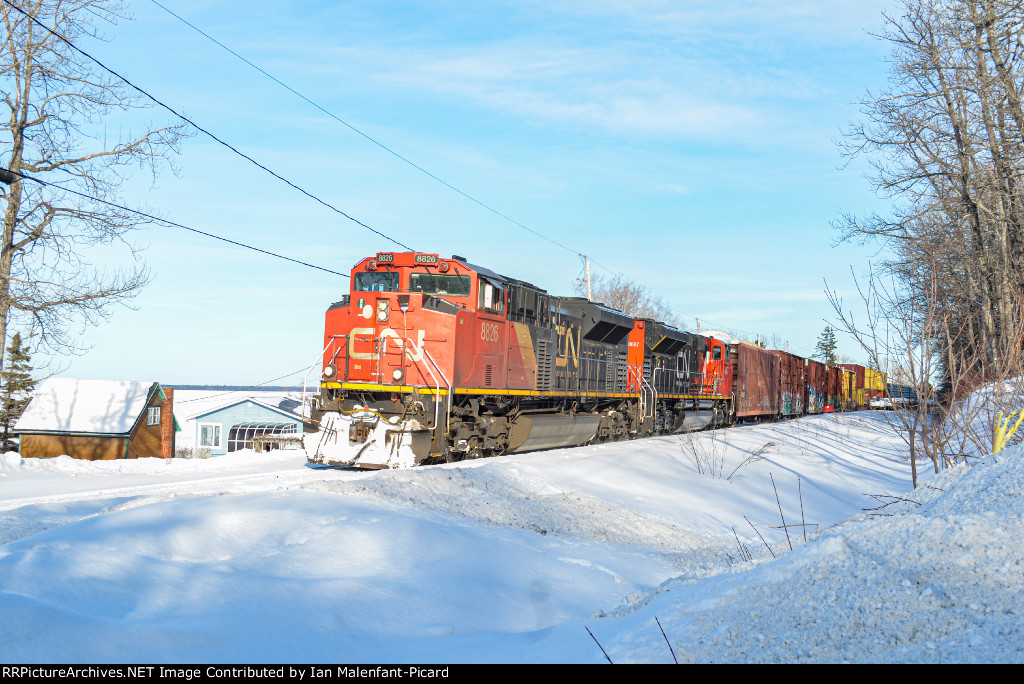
x=240 y=422
x=98 y=420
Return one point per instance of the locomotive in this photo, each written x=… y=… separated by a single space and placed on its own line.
x=432 y=360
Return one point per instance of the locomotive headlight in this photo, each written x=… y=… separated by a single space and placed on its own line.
x=397 y=375
x=382 y=310
x=328 y=371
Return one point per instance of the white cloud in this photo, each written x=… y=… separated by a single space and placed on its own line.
x=600 y=89
x=737 y=21
x=694 y=70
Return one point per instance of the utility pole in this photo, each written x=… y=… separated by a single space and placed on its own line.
x=586 y=263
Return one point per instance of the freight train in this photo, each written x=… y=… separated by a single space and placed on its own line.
x=432 y=360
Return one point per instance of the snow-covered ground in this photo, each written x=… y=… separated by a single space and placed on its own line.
x=259 y=558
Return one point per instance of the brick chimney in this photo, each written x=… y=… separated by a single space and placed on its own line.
x=167 y=425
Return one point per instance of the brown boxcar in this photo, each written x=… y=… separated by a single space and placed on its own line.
x=834 y=388
x=817 y=385
x=792 y=385
x=755 y=381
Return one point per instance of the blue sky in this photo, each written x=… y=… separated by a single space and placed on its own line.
x=688 y=145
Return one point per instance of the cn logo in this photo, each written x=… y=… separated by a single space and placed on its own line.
x=413 y=350
x=489 y=331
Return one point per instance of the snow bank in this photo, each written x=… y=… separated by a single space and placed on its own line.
x=258 y=558
x=934 y=578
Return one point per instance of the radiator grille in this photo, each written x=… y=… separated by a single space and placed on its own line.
x=545 y=364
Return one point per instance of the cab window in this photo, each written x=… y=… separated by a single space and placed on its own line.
x=716 y=353
x=375 y=282
x=429 y=283
x=491 y=298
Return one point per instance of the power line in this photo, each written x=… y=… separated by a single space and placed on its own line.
x=265 y=168
x=368 y=137
x=173 y=224
x=201 y=129
x=223 y=394
x=187 y=120
x=157 y=219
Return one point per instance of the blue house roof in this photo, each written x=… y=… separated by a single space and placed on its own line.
x=285 y=412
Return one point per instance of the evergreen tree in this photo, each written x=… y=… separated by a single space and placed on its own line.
x=826 y=349
x=16 y=385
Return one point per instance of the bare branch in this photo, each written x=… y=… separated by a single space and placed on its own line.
x=58 y=104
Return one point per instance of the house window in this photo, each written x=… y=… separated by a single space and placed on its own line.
x=153 y=415
x=209 y=435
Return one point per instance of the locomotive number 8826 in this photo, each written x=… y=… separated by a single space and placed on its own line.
x=432 y=360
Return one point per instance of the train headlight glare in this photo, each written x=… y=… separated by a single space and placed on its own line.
x=397 y=375
x=328 y=371
x=382 y=315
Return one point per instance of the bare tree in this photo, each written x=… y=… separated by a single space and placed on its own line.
x=771 y=340
x=946 y=142
x=896 y=333
x=631 y=298
x=978 y=388
x=60 y=104
x=908 y=330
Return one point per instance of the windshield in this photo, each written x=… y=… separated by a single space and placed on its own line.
x=428 y=283
x=375 y=282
